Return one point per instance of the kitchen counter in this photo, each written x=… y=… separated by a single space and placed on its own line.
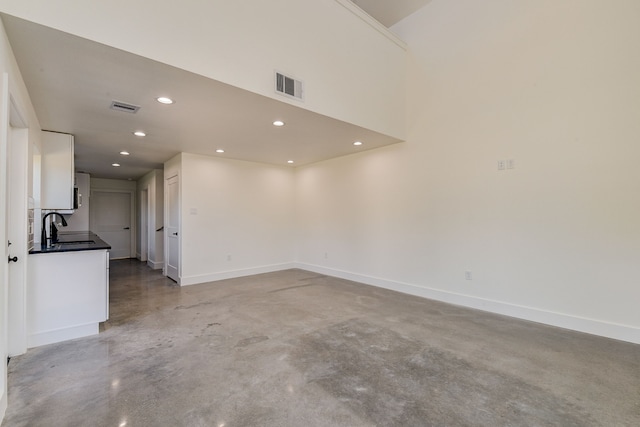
x=74 y=241
x=67 y=289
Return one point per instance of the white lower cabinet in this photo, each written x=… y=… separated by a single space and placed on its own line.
x=67 y=295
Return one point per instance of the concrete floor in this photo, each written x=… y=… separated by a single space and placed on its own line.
x=296 y=348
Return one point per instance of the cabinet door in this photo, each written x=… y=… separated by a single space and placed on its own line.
x=57 y=171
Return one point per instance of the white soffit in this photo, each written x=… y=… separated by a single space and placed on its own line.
x=72 y=82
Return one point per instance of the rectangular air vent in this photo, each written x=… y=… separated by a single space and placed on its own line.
x=123 y=106
x=289 y=86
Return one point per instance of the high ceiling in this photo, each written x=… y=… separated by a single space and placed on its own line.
x=389 y=12
x=72 y=82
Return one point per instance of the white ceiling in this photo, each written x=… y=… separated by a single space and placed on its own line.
x=72 y=82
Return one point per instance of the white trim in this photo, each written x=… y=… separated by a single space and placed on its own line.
x=375 y=24
x=57 y=335
x=232 y=274
x=561 y=320
x=155 y=265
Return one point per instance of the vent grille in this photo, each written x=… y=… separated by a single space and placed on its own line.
x=289 y=86
x=123 y=106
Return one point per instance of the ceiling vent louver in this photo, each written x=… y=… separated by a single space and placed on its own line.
x=288 y=86
x=123 y=106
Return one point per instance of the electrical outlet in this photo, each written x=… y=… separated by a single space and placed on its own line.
x=501 y=165
x=326 y=255
x=511 y=164
x=467 y=275
x=228 y=257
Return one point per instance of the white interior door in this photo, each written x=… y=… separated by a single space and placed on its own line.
x=17 y=169
x=172 y=225
x=4 y=249
x=111 y=220
x=144 y=225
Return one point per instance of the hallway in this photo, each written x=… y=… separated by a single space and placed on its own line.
x=295 y=348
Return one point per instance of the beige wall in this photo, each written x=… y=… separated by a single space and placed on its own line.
x=552 y=85
x=236 y=217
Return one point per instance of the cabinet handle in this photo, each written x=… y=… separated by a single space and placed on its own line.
x=14 y=259
x=126 y=228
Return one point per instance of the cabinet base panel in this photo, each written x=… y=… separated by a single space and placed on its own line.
x=50 y=337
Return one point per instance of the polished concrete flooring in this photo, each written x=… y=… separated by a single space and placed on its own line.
x=296 y=348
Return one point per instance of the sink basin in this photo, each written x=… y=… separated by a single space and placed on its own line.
x=77 y=242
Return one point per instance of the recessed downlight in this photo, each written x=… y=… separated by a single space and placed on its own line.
x=139 y=133
x=357 y=143
x=125 y=153
x=278 y=123
x=290 y=161
x=220 y=150
x=164 y=100
x=115 y=165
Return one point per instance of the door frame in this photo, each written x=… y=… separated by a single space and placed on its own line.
x=132 y=214
x=13 y=220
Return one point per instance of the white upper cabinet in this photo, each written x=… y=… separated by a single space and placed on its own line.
x=57 y=171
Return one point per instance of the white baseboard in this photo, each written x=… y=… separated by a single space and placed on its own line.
x=155 y=265
x=57 y=335
x=232 y=274
x=580 y=324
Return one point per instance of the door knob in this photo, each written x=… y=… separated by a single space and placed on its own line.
x=175 y=234
x=14 y=259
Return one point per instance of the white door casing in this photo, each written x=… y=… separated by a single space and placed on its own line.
x=14 y=151
x=172 y=228
x=111 y=220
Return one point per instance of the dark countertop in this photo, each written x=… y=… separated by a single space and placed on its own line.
x=73 y=241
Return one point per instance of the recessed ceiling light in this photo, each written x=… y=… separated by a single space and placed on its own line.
x=357 y=143
x=124 y=153
x=278 y=123
x=115 y=165
x=219 y=150
x=164 y=100
x=139 y=133
x=289 y=161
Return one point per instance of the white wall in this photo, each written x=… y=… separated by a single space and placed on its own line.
x=153 y=184
x=339 y=55
x=552 y=85
x=236 y=218
x=113 y=184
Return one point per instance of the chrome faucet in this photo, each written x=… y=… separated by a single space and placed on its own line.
x=53 y=230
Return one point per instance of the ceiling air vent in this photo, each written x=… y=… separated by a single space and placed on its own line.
x=123 y=106
x=288 y=86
